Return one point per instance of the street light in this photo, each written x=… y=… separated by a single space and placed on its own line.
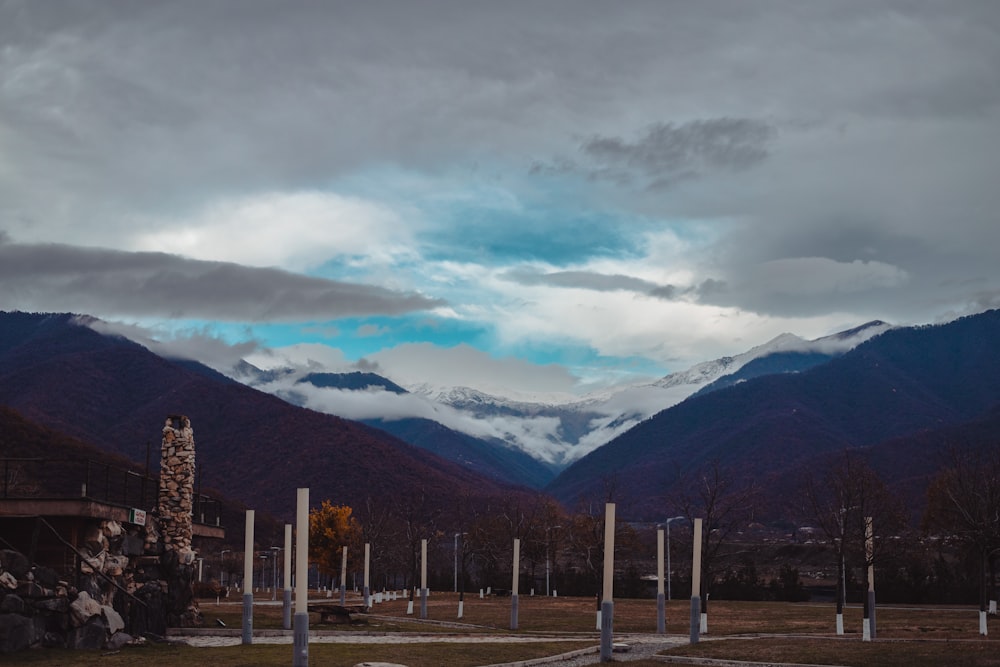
x=274 y=571
x=667 y=524
x=548 y=541
x=222 y=570
x=263 y=570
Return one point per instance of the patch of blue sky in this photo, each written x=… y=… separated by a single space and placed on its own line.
x=483 y=219
x=557 y=237
x=358 y=337
x=587 y=364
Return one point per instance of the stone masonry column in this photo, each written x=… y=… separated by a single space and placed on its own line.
x=176 y=506
x=176 y=499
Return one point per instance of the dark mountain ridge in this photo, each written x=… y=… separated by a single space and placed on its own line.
x=903 y=382
x=251 y=446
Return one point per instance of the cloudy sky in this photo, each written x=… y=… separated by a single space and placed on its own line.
x=538 y=196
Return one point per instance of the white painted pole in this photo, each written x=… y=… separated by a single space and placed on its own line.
x=696 y=583
x=607 y=601
x=301 y=631
x=286 y=600
x=343 y=577
x=248 y=580
x=661 y=621
x=367 y=591
x=514 y=583
x=517 y=565
x=869 y=630
x=423 y=578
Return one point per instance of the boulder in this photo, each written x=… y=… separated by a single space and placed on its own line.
x=56 y=605
x=112 y=619
x=45 y=576
x=12 y=604
x=90 y=635
x=16 y=632
x=83 y=608
x=114 y=565
x=14 y=562
x=118 y=640
x=8 y=581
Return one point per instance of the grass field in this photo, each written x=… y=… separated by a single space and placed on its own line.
x=906 y=635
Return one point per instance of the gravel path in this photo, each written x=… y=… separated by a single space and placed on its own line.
x=640 y=646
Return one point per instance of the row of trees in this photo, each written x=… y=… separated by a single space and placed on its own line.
x=925 y=560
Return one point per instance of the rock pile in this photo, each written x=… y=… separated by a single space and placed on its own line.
x=39 y=608
x=138 y=577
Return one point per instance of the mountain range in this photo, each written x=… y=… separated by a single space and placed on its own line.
x=530 y=442
x=773 y=414
x=57 y=372
x=899 y=397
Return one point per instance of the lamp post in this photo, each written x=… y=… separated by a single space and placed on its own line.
x=667 y=524
x=222 y=566
x=548 y=544
x=263 y=570
x=274 y=571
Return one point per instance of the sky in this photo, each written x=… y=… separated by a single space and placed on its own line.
x=550 y=196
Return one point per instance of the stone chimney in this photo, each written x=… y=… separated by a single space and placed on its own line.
x=176 y=498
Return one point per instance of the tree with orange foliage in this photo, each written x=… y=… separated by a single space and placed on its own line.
x=331 y=528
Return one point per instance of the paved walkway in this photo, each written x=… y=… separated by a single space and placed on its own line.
x=640 y=646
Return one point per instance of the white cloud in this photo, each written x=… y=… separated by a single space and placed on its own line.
x=305 y=355
x=462 y=365
x=293 y=230
x=538 y=436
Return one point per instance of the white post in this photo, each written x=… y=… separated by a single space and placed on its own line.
x=607 y=600
x=696 y=583
x=248 y=580
x=661 y=624
x=514 y=583
x=286 y=600
x=423 y=578
x=301 y=632
x=343 y=577
x=367 y=591
x=868 y=632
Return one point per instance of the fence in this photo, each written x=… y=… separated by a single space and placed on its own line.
x=93 y=480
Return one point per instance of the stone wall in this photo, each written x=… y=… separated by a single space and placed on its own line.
x=38 y=607
x=131 y=580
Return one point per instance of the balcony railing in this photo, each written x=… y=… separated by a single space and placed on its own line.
x=93 y=480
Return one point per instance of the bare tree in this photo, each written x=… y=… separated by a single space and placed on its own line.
x=725 y=503
x=964 y=501
x=841 y=502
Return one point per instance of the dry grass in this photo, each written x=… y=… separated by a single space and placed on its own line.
x=906 y=635
x=851 y=653
x=328 y=655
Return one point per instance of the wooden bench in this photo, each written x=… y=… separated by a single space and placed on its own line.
x=338 y=614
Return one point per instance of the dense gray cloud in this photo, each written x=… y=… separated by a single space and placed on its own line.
x=666 y=153
x=807 y=158
x=591 y=281
x=110 y=282
x=196 y=345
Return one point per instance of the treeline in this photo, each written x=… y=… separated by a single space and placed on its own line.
x=847 y=523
